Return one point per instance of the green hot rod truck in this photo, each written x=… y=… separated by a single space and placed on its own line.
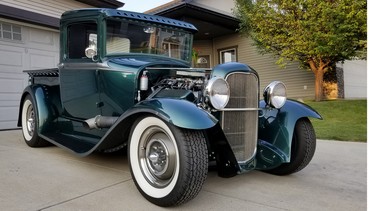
x=124 y=81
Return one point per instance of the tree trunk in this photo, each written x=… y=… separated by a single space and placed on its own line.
x=318 y=67
x=319 y=84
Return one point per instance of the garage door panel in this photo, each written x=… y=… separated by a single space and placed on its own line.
x=10 y=99
x=11 y=58
x=9 y=109
x=11 y=85
x=40 y=39
x=9 y=102
x=38 y=49
x=42 y=59
x=8 y=124
x=9 y=117
x=10 y=96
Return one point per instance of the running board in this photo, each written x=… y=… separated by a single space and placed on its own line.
x=74 y=143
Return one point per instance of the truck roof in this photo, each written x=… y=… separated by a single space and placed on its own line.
x=104 y=12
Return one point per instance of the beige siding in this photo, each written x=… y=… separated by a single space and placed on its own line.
x=204 y=47
x=53 y=8
x=218 y=6
x=299 y=82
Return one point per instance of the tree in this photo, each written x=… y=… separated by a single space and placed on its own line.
x=316 y=33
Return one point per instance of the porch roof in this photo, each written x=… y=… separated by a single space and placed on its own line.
x=209 y=21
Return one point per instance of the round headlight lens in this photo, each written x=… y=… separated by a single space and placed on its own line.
x=275 y=94
x=217 y=91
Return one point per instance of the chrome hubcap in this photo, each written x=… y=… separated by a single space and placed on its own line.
x=157 y=156
x=30 y=120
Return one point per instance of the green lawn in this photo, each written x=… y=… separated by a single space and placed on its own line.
x=344 y=120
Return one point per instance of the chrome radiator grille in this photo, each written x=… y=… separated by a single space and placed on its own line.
x=241 y=126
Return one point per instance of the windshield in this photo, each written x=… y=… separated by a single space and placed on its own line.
x=128 y=37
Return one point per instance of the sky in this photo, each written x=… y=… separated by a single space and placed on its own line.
x=141 y=5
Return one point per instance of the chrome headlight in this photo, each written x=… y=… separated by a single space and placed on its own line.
x=275 y=94
x=217 y=92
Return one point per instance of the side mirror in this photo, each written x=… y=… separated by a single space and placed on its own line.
x=91 y=50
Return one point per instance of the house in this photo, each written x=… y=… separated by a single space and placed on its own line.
x=218 y=41
x=29 y=39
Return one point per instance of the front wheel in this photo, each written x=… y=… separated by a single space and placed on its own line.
x=168 y=164
x=302 y=150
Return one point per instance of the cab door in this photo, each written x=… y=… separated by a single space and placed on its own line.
x=78 y=73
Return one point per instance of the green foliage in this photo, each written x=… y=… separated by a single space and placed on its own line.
x=323 y=31
x=344 y=120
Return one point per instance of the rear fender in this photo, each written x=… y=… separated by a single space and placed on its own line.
x=46 y=101
x=276 y=126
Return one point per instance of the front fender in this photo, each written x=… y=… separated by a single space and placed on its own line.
x=276 y=126
x=180 y=113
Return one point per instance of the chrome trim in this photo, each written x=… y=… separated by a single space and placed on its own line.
x=269 y=92
x=239 y=119
x=176 y=68
x=84 y=65
x=211 y=92
x=239 y=109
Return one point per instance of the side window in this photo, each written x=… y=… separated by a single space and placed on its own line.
x=117 y=37
x=228 y=55
x=80 y=37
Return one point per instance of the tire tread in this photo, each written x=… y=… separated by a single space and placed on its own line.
x=197 y=154
x=304 y=137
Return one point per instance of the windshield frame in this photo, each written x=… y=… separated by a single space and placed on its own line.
x=146 y=38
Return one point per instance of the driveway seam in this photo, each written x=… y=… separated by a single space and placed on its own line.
x=227 y=196
x=83 y=195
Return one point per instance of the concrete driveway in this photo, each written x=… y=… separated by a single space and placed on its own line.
x=53 y=179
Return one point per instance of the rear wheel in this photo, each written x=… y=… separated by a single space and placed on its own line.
x=169 y=165
x=30 y=124
x=302 y=151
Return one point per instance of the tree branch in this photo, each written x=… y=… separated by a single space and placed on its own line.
x=312 y=65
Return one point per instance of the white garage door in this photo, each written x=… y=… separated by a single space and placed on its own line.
x=22 y=48
x=355 y=79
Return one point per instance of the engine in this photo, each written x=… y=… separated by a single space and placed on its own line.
x=184 y=83
x=185 y=80
x=190 y=84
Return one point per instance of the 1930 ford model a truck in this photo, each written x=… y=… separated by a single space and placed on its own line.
x=124 y=80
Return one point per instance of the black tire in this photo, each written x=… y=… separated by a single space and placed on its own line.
x=302 y=151
x=168 y=164
x=30 y=124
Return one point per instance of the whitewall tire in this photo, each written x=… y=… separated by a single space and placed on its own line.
x=168 y=164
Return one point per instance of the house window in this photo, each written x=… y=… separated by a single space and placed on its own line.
x=203 y=61
x=10 y=32
x=228 y=55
